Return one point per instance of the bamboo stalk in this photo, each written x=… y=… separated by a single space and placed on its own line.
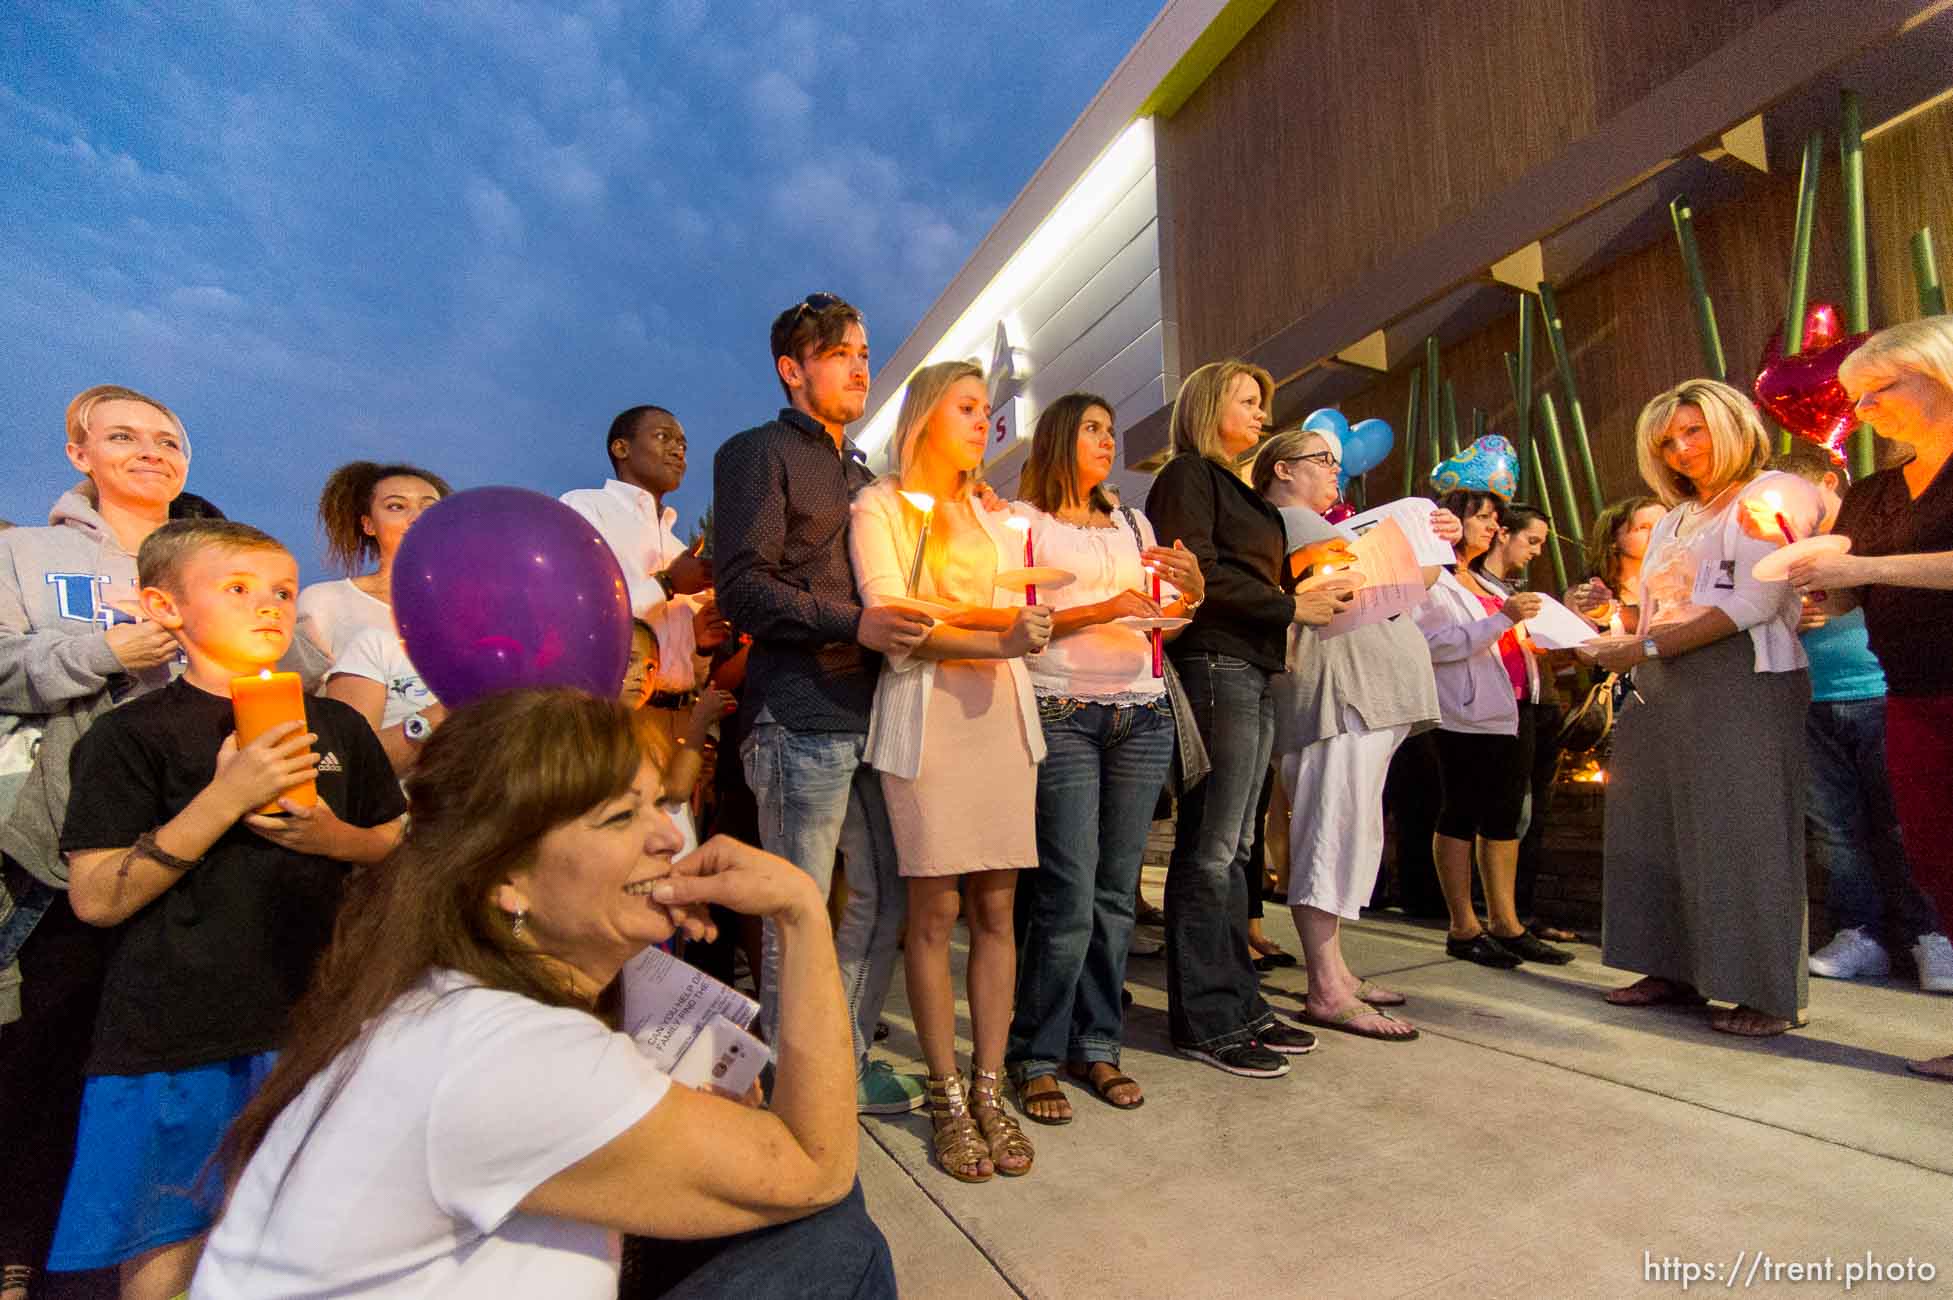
x=1410 y=430
x=1520 y=442
x=1716 y=366
x=1522 y=387
x=1549 y=308
x=1858 y=293
x=1549 y=432
x=1478 y=423
x=1800 y=249
x=1431 y=397
x=1925 y=275
x=1545 y=500
x=1450 y=419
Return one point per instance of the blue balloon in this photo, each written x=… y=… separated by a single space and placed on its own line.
x=1368 y=445
x=1328 y=420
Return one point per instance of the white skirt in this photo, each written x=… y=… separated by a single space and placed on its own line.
x=1335 y=823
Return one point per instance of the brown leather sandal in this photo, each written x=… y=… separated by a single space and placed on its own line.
x=1006 y=1139
x=16 y=1279
x=960 y=1146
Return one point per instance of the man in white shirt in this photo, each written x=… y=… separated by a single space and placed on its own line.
x=670 y=584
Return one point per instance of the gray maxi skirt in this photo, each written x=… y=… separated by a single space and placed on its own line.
x=1704 y=842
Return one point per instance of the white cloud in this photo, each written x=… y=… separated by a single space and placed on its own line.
x=497 y=218
x=210 y=299
x=777 y=101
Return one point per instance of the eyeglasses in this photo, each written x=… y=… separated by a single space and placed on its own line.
x=1326 y=459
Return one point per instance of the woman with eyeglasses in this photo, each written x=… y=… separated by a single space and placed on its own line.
x=1488 y=686
x=1344 y=707
x=1227 y=661
x=1109 y=742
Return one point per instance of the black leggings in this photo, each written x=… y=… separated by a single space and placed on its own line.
x=1485 y=779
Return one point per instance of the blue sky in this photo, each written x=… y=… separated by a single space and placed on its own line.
x=466 y=234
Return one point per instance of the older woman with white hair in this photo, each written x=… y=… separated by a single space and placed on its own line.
x=1900 y=572
x=1704 y=840
x=1342 y=710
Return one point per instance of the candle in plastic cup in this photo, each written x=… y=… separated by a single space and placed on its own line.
x=260 y=703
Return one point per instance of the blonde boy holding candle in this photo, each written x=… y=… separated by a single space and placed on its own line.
x=220 y=909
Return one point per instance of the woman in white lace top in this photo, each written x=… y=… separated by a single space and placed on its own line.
x=1109 y=743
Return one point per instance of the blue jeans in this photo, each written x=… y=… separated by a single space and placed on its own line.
x=815 y=796
x=1213 y=998
x=1103 y=768
x=1852 y=813
x=835 y=1254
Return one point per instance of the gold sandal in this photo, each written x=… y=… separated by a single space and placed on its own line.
x=1006 y=1139
x=959 y=1144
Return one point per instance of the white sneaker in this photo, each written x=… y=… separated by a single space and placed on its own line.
x=1934 y=953
x=1851 y=954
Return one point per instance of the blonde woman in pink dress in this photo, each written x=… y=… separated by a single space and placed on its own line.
x=956 y=738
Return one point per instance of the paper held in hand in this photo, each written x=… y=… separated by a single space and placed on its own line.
x=690 y=1025
x=1413 y=515
x=1556 y=627
x=1393 y=583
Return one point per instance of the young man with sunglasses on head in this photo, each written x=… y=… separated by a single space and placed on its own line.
x=781 y=495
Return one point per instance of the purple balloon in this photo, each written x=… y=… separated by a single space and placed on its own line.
x=500 y=587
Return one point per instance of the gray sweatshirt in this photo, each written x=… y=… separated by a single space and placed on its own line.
x=61 y=588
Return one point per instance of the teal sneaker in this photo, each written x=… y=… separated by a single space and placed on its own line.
x=881 y=1091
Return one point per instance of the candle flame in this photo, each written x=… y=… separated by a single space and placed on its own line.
x=264 y=674
x=1019 y=523
x=921 y=501
x=1774 y=500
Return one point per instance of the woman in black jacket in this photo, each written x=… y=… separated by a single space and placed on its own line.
x=1226 y=661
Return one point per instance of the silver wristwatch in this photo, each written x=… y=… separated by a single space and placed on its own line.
x=1649 y=648
x=416 y=728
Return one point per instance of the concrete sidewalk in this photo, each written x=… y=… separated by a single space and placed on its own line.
x=1534 y=1142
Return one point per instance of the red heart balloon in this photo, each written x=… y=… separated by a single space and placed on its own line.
x=1802 y=393
x=1821 y=330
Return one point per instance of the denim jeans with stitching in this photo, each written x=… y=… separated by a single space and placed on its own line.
x=1213 y=998
x=1104 y=767
x=815 y=796
x=1852 y=814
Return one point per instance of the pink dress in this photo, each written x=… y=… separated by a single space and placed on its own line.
x=973 y=804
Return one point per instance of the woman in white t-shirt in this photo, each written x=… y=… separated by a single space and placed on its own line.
x=1109 y=742
x=373 y=674
x=364 y=511
x=454 y=1114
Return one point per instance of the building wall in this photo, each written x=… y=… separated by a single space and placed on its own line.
x=1337 y=133
x=1631 y=330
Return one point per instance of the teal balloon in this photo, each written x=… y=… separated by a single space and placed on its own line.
x=1488 y=465
x=1328 y=420
x=1368 y=445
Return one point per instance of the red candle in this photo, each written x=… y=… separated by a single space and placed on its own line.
x=1030 y=562
x=1159 y=637
x=261 y=702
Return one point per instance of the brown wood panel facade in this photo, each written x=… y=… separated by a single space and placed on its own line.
x=1630 y=328
x=1336 y=133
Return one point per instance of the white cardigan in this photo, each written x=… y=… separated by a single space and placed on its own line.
x=1722 y=555
x=881 y=543
x=1474 y=691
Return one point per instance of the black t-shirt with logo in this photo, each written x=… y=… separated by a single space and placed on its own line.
x=210 y=968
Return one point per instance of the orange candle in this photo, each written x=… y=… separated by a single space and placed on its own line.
x=262 y=702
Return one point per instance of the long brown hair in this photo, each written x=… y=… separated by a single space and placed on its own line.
x=1049 y=480
x=1604 y=539
x=486 y=787
x=348 y=497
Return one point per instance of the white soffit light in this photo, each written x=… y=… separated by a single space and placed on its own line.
x=1087 y=203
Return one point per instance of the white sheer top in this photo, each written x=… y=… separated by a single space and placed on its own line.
x=1106 y=663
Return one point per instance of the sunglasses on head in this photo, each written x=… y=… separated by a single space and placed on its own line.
x=816 y=303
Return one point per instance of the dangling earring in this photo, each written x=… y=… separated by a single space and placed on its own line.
x=517 y=921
